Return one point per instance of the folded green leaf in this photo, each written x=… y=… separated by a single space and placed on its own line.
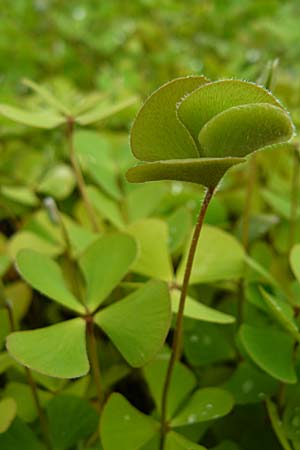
x=245 y=129
x=205 y=171
x=200 y=106
x=157 y=134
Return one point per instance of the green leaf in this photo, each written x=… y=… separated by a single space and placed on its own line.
x=226 y=445
x=104 y=264
x=131 y=336
x=199 y=107
x=153 y=258
x=41 y=119
x=71 y=420
x=104 y=111
x=20 y=194
x=58 y=350
x=45 y=275
x=219 y=256
x=282 y=312
x=205 y=404
x=291 y=418
x=180 y=224
x=58 y=182
x=144 y=200
x=249 y=385
x=28 y=240
x=182 y=383
x=22 y=395
x=107 y=207
x=207 y=344
x=8 y=411
x=205 y=171
x=295 y=261
x=244 y=129
x=19 y=436
x=93 y=151
x=198 y=311
x=157 y=134
x=46 y=96
x=271 y=350
x=124 y=427
x=175 y=441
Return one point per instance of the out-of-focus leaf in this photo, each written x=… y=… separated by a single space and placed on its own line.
x=58 y=182
x=8 y=411
x=153 y=258
x=78 y=424
x=41 y=119
x=219 y=256
x=19 y=436
x=104 y=111
x=47 y=96
x=20 y=194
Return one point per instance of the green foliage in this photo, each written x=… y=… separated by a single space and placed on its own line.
x=92 y=267
x=191 y=118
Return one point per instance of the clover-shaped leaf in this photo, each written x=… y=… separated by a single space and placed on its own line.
x=194 y=130
x=60 y=350
x=123 y=426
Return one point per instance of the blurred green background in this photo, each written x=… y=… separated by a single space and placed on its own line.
x=136 y=45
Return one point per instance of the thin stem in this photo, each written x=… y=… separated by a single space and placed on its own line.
x=79 y=177
x=42 y=417
x=94 y=360
x=294 y=196
x=177 y=339
x=30 y=380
